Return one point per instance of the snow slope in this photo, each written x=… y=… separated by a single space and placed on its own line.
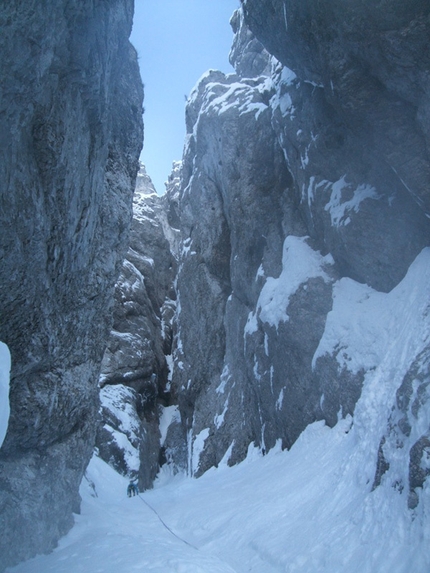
x=307 y=510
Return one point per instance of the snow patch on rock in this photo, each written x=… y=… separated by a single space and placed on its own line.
x=5 y=364
x=361 y=325
x=299 y=263
x=339 y=208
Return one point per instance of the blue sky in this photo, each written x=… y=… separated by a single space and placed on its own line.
x=176 y=41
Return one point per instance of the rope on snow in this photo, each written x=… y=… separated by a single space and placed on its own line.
x=166 y=526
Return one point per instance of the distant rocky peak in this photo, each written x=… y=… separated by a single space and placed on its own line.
x=247 y=55
x=170 y=200
x=144 y=182
x=173 y=183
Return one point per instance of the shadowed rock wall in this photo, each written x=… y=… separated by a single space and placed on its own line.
x=370 y=65
x=71 y=133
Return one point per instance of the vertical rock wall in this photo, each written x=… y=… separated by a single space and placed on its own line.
x=294 y=179
x=71 y=133
x=234 y=212
x=355 y=130
x=353 y=120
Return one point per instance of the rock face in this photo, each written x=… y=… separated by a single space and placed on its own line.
x=134 y=369
x=362 y=85
x=71 y=133
x=305 y=181
x=302 y=282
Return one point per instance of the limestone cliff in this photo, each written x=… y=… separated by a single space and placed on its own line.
x=305 y=184
x=360 y=99
x=71 y=133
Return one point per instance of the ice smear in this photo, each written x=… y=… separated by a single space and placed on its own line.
x=198 y=446
x=5 y=365
x=339 y=209
x=169 y=415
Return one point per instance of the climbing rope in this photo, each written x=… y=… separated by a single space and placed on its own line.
x=166 y=526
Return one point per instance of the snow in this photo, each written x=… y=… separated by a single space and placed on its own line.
x=219 y=419
x=142 y=209
x=257 y=107
x=360 y=327
x=140 y=279
x=285 y=18
x=225 y=377
x=170 y=365
x=306 y=510
x=119 y=399
x=280 y=400
x=304 y=159
x=314 y=84
x=299 y=263
x=282 y=98
x=286 y=104
x=251 y=323
x=312 y=188
x=4 y=389
x=219 y=98
x=131 y=454
x=169 y=415
x=339 y=209
x=265 y=86
x=197 y=448
x=186 y=248
x=266 y=344
x=260 y=273
x=287 y=76
x=195 y=90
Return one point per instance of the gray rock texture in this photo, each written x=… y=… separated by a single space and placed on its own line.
x=247 y=55
x=141 y=338
x=70 y=137
x=370 y=65
x=352 y=119
x=294 y=177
